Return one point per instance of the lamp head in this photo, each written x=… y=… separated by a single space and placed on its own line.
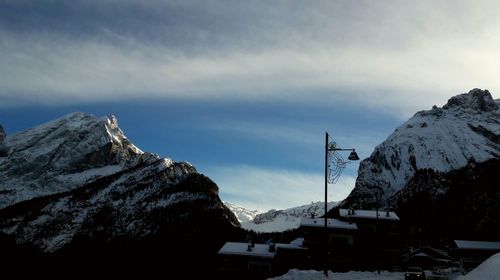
x=353 y=155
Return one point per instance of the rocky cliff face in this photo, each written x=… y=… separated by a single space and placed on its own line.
x=77 y=186
x=466 y=129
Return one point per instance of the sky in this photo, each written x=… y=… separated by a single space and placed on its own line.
x=245 y=90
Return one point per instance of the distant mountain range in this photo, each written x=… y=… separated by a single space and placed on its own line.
x=242 y=214
x=278 y=220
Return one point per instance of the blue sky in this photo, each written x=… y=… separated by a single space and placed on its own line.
x=245 y=90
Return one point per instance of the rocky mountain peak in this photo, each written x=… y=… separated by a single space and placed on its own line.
x=466 y=129
x=476 y=99
x=62 y=154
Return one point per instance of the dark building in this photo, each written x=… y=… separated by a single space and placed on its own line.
x=429 y=258
x=355 y=239
x=340 y=235
x=378 y=241
x=238 y=260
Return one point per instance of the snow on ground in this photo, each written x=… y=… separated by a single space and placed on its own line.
x=296 y=274
x=488 y=270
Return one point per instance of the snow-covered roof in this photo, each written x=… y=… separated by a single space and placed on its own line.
x=240 y=248
x=331 y=223
x=369 y=214
x=259 y=250
x=289 y=246
x=477 y=245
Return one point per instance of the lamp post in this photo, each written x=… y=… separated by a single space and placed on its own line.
x=334 y=164
x=377 y=199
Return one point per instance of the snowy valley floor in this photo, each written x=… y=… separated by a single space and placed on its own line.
x=295 y=274
x=352 y=275
x=488 y=270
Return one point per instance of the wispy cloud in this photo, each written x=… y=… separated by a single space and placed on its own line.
x=264 y=131
x=399 y=57
x=264 y=189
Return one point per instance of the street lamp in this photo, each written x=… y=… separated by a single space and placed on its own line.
x=377 y=199
x=334 y=164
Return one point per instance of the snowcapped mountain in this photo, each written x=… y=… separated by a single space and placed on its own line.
x=279 y=220
x=77 y=185
x=242 y=214
x=62 y=155
x=465 y=130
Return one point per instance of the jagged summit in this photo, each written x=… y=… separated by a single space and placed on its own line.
x=105 y=130
x=476 y=99
x=466 y=129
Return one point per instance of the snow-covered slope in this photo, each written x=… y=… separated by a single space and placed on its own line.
x=466 y=129
x=242 y=214
x=62 y=155
x=295 y=274
x=78 y=179
x=282 y=220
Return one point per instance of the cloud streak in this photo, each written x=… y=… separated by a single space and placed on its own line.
x=264 y=189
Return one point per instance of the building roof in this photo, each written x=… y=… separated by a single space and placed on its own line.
x=259 y=250
x=298 y=241
x=331 y=223
x=477 y=245
x=368 y=214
